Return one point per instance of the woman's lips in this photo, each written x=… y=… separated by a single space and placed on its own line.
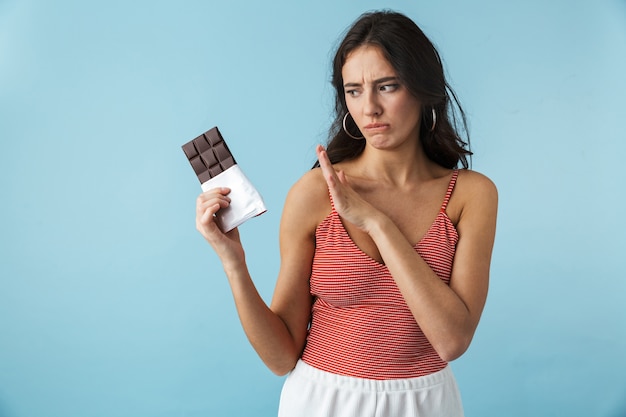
x=373 y=127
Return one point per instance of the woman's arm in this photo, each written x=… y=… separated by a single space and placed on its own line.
x=278 y=333
x=448 y=315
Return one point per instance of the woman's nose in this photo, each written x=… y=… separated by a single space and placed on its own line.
x=372 y=105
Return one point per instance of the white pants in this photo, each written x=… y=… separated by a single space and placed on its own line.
x=309 y=392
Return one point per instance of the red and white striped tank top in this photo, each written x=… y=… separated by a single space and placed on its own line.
x=361 y=326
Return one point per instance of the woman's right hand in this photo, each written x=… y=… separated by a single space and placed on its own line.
x=227 y=245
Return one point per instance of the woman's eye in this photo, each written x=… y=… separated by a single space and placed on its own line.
x=388 y=87
x=352 y=93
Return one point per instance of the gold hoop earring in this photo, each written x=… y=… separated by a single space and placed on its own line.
x=346 y=130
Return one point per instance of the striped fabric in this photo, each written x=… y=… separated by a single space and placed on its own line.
x=361 y=325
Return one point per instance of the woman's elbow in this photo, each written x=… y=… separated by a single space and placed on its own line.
x=454 y=348
x=280 y=371
x=282 y=368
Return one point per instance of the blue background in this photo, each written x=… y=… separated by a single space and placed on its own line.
x=111 y=304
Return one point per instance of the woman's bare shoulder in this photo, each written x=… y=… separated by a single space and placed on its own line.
x=473 y=181
x=472 y=190
x=310 y=188
x=308 y=201
x=475 y=192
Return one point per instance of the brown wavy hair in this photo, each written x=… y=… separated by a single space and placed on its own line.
x=419 y=68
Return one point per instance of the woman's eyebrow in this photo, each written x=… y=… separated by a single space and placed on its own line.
x=377 y=81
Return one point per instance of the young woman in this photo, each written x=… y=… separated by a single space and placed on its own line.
x=385 y=245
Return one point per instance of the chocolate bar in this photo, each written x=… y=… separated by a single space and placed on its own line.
x=215 y=166
x=209 y=155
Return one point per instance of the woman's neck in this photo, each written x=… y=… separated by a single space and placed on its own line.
x=397 y=167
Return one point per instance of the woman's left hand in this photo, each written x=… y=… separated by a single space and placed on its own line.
x=348 y=203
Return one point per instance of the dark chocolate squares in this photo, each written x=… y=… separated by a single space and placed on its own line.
x=208 y=155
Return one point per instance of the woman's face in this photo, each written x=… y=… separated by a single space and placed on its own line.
x=384 y=110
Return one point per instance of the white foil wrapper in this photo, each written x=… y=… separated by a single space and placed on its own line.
x=245 y=200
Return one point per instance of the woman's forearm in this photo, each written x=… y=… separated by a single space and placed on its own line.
x=441 y=314
x=266 y=331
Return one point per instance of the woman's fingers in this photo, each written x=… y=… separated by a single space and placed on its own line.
x=212 y=197
x=226 y=245
x=208 y=204
x=209 y=213
x=341 y=176
x=327 y=168
x=348 y=203
x=336 y=180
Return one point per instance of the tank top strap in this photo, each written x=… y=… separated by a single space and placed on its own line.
x=455 y=175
